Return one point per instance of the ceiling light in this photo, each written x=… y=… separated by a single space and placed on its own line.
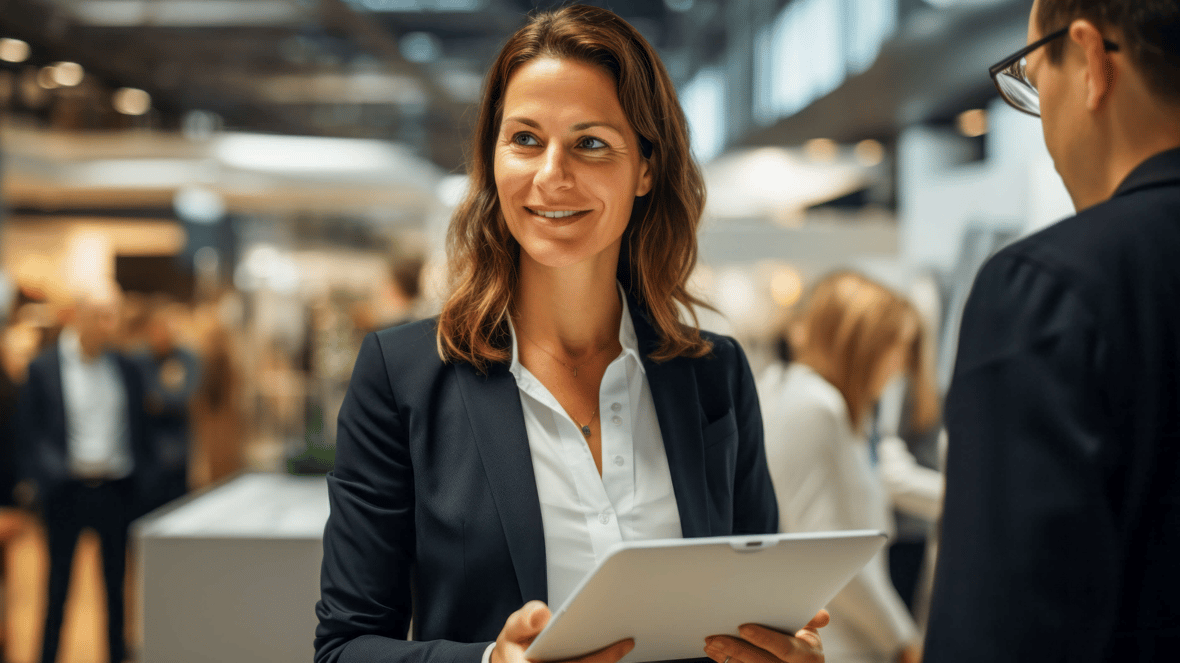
x=13 y=50
x=420 y=47
x=821 y=149
x=68 y=74
x=973 y=123
x=131 y=101
x=46 y=79
x=870 y=152
x=679 y=5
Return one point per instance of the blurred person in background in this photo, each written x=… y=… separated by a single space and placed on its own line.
x=12 y=520
x=451 y=500
x=171 y=375
x=85 y=435
x=218 y=421
x=1061 y=528
x=854 y=337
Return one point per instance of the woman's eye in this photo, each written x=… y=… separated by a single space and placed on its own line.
x=592 y=143
x=527 y=140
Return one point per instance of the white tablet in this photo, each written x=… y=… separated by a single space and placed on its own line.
x=670 y=594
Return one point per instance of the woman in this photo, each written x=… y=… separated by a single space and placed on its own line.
x=854 y=336
x=488 y=459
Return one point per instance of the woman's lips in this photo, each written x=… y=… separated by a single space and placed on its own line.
x=558 y=215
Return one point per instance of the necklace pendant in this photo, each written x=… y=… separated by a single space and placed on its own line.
x=575 y=372
x=586 y=430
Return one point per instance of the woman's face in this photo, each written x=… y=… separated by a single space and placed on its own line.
x=568 y=165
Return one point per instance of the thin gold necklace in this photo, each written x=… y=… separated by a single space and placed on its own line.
x=586 y=428
x=573 y=369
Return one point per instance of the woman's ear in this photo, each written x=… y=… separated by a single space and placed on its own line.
x=643 y=187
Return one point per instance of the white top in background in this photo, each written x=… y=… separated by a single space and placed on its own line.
x=824 y=480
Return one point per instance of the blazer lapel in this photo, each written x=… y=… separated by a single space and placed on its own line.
x=678 y=409
x=497 y=422
x=54 y=390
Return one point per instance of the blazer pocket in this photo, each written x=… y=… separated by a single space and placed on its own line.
x=720 y=430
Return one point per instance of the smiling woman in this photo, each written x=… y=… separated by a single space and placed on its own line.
x=630 y=114
x=488 y=460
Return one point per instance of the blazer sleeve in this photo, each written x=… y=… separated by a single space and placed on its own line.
x=40 y=458
x=369 y=540
x=1026 y=561
x=755 y=509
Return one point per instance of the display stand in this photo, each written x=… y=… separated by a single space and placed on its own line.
x=233 y=574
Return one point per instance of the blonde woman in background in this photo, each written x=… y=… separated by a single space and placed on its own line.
x=853 y=337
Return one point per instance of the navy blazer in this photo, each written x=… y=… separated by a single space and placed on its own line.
x=1061 y=528
x=42 y=423
x=434 y=507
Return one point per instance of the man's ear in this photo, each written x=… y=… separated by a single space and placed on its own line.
x=1100 y=70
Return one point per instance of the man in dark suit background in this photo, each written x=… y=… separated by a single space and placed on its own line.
x=87 y=451
x=1061 y=530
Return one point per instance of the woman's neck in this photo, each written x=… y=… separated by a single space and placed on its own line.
x=575 y=309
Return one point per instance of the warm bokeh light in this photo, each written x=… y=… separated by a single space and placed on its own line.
x=68 y=74
x=46 y=78
x=786 y=285
x=13 y=50
x=821 y=149
x=973 y=123
x=870 y=152
x=131 y=101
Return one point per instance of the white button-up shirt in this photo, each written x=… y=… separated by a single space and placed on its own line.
x=97 y=435
x=585 y=514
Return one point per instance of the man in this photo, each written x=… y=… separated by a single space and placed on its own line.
x=1061 y=529
x=171 y=376
x=82 y=410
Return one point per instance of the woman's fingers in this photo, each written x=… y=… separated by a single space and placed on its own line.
x=610 y=654
x=524 y=624
x=762 y=645
x=810 y=633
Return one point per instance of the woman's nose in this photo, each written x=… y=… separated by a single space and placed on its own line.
x=553 y=171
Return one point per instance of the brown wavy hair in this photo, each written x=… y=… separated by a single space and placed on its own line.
x=659 y=248
x=847 y=325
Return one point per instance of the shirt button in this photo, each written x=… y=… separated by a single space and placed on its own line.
x=619 y=461
x=617 y=420
x=616 y=406
x=604 y=518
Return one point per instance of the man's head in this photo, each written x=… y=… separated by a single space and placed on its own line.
x=1105 y=110
x=95 y=318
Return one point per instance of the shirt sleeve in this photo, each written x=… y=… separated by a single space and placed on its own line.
x=914 y=489
x=1026 y=563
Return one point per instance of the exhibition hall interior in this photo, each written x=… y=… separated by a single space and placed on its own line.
x=237 y=192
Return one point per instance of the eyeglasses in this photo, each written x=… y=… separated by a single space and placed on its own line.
x=1011 y=76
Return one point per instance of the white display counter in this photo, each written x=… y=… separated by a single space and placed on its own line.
x=233 y=574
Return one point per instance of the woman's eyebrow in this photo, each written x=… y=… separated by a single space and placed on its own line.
x=581 y=126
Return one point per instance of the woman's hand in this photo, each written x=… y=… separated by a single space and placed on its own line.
x=759 y=644
x=525 y=624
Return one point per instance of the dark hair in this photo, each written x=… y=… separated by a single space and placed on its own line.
x=1150 y=30
x=659 y=246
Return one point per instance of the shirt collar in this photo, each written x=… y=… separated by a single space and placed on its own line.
x=1161 y=169
x=70 y=346
x=627 y=339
